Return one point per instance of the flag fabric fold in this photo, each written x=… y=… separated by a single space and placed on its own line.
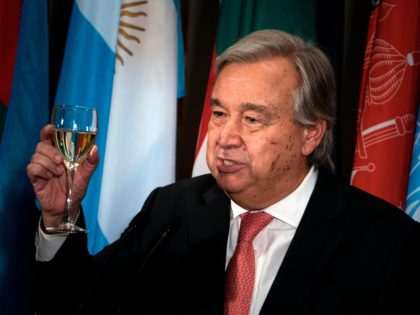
x=388 y=101
x=27 y=112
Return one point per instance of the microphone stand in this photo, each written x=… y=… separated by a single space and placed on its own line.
x=123 y=237
x=139 y=271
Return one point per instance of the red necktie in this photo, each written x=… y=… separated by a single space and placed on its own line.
x=240 y=274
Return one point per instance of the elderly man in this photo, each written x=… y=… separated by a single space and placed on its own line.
x=270 y=231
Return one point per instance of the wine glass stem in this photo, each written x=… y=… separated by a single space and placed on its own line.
x=67 y=215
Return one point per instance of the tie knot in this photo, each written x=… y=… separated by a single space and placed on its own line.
x=251 y=224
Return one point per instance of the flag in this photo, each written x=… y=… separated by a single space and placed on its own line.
x=413 y=192
x=9 y=31
x=24 y=90
x=86 y=79
x=121 y=56
x=238 y=18
x=141 y=142
x=389 y=95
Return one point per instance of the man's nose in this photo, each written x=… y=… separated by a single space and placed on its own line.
x=230 y=134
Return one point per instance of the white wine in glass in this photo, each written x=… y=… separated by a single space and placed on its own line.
x=74 y=146
x=75 y=133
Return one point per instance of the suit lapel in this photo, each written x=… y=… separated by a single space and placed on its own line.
x=208 y=228
x=315 y=241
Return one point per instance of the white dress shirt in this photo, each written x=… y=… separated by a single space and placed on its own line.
x=271 y=244
x=47 y=245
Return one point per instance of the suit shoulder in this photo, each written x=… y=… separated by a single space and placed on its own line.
x=163 y=201
x=191 y=189
x=198 y=184
x=361 y=204
x=370 y=207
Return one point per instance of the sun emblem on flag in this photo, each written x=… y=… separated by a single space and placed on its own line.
x=129 y=27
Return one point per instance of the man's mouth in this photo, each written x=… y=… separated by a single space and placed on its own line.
x=228 y=166
x=228 y=163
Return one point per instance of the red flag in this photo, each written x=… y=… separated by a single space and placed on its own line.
x=200 y=166
x=389 y=96
x=9 y=31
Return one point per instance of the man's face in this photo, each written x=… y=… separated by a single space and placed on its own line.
x=256 y=152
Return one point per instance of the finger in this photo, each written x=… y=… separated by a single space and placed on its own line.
x=49 y=164
x=37 y=171
x=46 y=133
x=93 y=156
x=89 y=165
x=49 y=151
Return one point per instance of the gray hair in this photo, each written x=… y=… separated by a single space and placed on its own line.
x=314 y=99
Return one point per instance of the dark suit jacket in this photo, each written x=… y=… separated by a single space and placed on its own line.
x=352 y=254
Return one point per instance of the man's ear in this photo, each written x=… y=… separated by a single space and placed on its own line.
x=312 y=136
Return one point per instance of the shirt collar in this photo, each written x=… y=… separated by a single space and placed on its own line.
x=291 y=208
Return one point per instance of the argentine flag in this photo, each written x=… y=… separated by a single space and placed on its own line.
x=122 y=57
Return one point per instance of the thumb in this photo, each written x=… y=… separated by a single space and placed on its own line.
x=91 y=162
x=93 y=156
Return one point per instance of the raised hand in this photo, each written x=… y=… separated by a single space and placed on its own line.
x=47 y=174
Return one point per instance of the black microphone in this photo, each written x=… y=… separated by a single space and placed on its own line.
x=173 y=225
x=140 y=221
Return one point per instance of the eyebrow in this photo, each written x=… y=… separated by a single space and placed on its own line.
x=262 y=109
x=215 y=101
x=245 y=106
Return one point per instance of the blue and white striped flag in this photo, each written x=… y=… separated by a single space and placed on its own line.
x=138 y=40
x=86 y=79
x=413 y=192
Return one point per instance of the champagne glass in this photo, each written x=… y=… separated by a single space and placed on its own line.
x=75 y=132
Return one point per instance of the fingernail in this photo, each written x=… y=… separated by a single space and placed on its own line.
x=58 y=158
x=92 y=150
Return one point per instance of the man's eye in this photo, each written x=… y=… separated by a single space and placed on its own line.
x=218 y=117
x=218 y=114
x=251 y=119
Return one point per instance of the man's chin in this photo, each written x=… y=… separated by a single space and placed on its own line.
x=229 y=183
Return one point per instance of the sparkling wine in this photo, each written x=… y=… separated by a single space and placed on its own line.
x=74 y=146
